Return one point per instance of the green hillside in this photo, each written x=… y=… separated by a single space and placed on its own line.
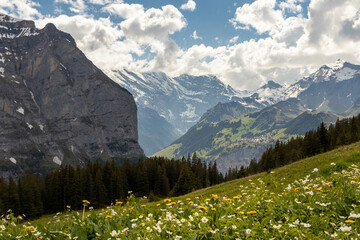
x=315 y=198
x=235 y=142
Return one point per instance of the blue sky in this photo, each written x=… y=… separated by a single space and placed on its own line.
x=243 y=42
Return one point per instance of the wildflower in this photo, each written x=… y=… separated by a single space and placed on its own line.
x=354 y=215
x=213 y=209
x=307 y=225
x=86 y=202
x=114 y=233
x=248 y=231
x=108 y=216
x=188 y=199
x=119 y=203
x=349 y=221
x=202 y=207
x=345 y=229
x=234 y=227
x=277 y=226
x=167 y=200
x=204 y=220
x=332 y=164
x=177 y=237
x=251 y=212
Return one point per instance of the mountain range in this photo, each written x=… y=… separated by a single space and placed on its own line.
x=56 y=106
x=233 y=136
x=168 y=106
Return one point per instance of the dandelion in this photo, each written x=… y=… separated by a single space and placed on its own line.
x=108 y=216
x=202 y=208
x=349 y=221
x=119 y=203
x=86 y=202
x=251 y=212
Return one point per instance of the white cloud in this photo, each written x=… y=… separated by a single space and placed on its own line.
x=190 y=6
x=234 y=39
x=124 y=10
x=195 y=36
x=260 y=15
x=292 y=6
x=23 y=9
x=76 y=6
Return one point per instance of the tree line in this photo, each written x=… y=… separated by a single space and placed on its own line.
x=323 y=139
x=103 y=184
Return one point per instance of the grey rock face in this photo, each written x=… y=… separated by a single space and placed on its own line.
x=56 y=107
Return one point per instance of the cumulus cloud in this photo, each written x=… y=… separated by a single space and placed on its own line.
x=23 y=9
x=294 y=46
x=190 y=6
x=260 y=15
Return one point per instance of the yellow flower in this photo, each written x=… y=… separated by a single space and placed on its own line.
x=86 y=202
x=173 y=203
x=208 y=199
x=143 y=205
x=237 y=197
x=108 y=216
x=188 y=199
x=167 y=200
x=158 y=205
x=349 y=221
x=213 y=209
x=119 y=203
x=241 y=212
x=202 y=207
x=191 y=202
x=251 y=212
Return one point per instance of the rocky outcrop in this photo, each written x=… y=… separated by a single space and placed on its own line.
x=56 y=106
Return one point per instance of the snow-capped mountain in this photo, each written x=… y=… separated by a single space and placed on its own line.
x=332 y=88
x=180 y=101
x=269 y=93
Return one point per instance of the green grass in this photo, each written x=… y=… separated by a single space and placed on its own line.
x=315 y=198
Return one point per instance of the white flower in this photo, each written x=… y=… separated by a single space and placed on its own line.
x=291 y=225
x=354 y=215
x=148 y=229
x=345 y=229
x=177 y=237
x=114 y=233
x=234 y=227
x=277 y=226
x=332 y=164
x=182 y=220
x=133 y=225
x=248 y=231
x=204 y=220
x=306 y=225
x=191 y=218
x=297 y=222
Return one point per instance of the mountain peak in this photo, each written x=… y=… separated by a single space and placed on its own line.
x=338 y=64
x=271 y=85
x=6 y=20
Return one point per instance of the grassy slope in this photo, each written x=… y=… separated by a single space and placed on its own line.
x=287 y=174
x=283 y=176
x=292 y=202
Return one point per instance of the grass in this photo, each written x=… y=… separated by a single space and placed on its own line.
x=315 y=198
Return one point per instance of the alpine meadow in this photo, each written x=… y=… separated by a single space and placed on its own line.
x=181 y=119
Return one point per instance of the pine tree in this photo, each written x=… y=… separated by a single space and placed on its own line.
x=185 y=183
x=13 y=201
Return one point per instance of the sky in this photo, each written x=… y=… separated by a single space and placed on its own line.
x=245 y=43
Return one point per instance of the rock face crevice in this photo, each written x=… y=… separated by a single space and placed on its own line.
x=56 y=106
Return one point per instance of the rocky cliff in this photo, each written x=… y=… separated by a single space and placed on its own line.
x=56 y=106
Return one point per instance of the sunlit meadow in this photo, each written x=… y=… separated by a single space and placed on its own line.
x=322 y=205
